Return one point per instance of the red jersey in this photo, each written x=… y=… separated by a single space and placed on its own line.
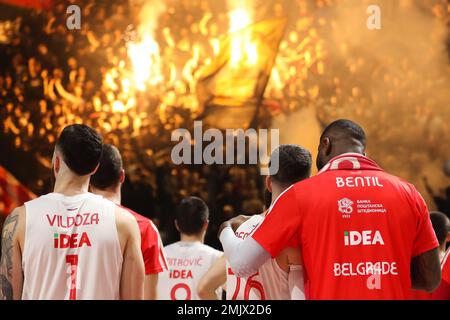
x=357 y=226
x=443 y=291
x=151 y=245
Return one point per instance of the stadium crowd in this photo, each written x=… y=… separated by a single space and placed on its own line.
x=51 y=77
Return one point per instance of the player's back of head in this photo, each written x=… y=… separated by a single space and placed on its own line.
x=441 y=226
x=108 y=174
x=191 y=216
x=80 y=147
x=346 y=129
x=294 y=164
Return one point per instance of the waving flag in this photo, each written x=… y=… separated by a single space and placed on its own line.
x=12 y=193
x=32 y=4
x=231 y=88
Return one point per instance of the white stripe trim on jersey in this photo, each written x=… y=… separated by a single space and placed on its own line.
x=271 y=206
x=444 y=260
x=162 y=258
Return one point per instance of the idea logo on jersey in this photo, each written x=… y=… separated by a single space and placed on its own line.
x=365 y=238
x=64 y=241
x=180 y=274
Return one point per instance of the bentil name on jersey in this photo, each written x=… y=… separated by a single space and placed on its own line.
x=356 y=182
x=82 y=219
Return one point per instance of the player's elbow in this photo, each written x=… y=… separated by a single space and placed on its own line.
x=241 y=271
x=202 y=291
x=432 y=283
x=426 y=271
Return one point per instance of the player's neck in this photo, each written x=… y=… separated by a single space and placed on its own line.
x=442 y=249
x=71 y=185
x=192 y=238
x=276 y=191
x=343 y=149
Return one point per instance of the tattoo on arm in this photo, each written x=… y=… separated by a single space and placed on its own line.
x=9 y=230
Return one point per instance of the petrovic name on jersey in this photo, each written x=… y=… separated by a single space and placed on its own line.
x=184 y=262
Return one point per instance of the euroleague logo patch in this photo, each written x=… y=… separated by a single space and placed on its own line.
x=345 y=206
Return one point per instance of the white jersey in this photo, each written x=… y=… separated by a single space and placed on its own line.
x=72 y=249
x=187 y=263
x=269 y=283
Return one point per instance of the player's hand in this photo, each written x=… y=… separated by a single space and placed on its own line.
x=237 y=221
x=234 y=223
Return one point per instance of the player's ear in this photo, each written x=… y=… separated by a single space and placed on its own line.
x=205 y=225
x=56 y=163
x=326 y=145
x=269 y=183
x=122 y=176
x=95 y=170
x=176 y=225
x=447 y=239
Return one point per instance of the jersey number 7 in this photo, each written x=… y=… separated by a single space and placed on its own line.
x=72 y=260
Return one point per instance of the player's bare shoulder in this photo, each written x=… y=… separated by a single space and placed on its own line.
x=14 y=226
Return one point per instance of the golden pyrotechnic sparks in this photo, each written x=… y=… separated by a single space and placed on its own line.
x=118 y=106
x=243 y=50
x=146 y=62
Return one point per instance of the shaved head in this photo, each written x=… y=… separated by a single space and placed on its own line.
x=340 y=136
x=345 y=129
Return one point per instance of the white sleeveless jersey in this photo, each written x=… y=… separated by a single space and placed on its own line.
x=269 y=283
x=72 y=249
x=187 y=263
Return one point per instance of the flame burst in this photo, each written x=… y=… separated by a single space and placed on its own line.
x=146 y=62
x=243 y=50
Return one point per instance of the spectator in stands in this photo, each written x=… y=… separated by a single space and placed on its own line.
x=442 y=199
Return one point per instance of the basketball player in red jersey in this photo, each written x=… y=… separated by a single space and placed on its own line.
x=280 y=278
x=441 y=226
x=72 y=244
x=364 y=234
x=107 y=182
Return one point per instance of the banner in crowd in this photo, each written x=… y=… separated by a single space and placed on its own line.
x=231 y=88
x=12 y=192
x=32 y=4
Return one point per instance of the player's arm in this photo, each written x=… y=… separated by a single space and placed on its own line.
x=425 y=264
x=244 y=256
x=150 y=285
x=11 y=275
x=295 y=273
x=426 y=271
x=443 y=292
x=132 y=277
x=214 y=278
x=151 y=247
x=280 y=225
x=154 y=260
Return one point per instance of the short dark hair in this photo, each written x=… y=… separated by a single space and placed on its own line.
x=441 y=225
x=191 y=215
x=80 y=147
x=294 y=164
x=348 y=128
x=108 y=173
